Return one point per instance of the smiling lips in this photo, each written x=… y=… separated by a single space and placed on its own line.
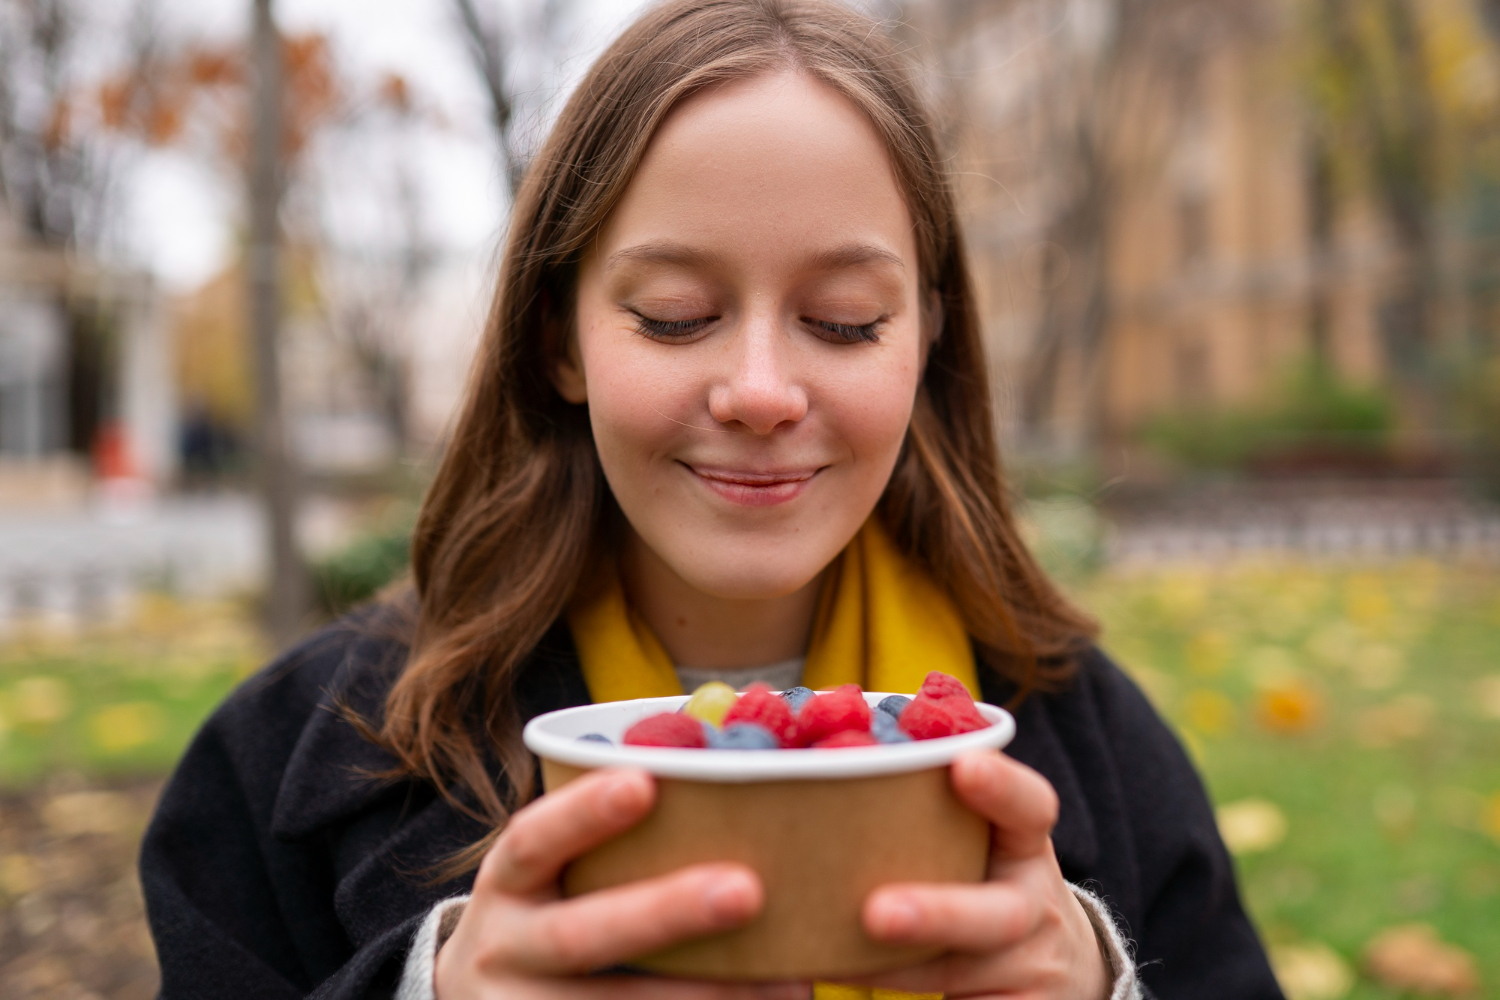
x=755 y=489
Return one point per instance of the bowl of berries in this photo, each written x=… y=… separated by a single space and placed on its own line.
x=826 y=795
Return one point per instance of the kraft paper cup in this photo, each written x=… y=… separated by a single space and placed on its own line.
x=822 y=828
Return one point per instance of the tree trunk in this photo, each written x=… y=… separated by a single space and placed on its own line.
x=287 y=585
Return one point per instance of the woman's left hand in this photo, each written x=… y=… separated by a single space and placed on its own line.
x=1020 y=932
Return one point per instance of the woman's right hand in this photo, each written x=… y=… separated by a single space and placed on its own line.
x=518 y=938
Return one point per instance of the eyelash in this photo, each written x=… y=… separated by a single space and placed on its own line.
x=843 y=333
x=671 y=329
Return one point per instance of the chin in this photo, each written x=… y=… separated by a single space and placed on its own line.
x=769 y=573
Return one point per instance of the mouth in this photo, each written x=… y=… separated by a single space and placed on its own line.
x=754 y=488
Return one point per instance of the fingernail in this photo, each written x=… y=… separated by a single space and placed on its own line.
x=896 y=915
x=726 y=896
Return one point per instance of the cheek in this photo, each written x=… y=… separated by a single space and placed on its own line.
x=870 y=407
x=638 y=405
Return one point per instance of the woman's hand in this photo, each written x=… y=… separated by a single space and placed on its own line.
x=1022 y=931
x=518 y=938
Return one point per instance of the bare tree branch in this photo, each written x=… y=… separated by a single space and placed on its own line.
x=492 y=55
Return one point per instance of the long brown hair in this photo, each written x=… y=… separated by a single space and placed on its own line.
x=519 y=506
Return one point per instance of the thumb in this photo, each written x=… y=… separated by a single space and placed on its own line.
x=1018 y=802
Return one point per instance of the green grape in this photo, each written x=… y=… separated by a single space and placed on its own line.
x=710 y=703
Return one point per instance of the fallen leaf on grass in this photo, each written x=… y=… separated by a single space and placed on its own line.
x=1209 y=712
x=1489 y=820
x=40 y=701
x=90 y=812
x=1251 y=825
x=1487 y=696
x=1403 y=718
x=1290 y=707
x=1311 y=971
x=18 y=875
x=126 y=726
x=1413 y=957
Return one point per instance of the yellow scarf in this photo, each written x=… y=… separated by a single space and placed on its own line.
x=881 y=623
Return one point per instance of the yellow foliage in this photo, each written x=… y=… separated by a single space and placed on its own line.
x=126 y=726
x=1209 y=712
x=1289 y=707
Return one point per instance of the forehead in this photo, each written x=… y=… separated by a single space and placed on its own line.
x=772 y=169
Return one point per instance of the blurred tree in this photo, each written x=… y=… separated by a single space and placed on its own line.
x=494 y=50
x=1097 y=64
x=264 y=109
x=1402 y=106
x=52 y=176
x=288 y=588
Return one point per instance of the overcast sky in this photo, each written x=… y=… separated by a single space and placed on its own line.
x=180 y=214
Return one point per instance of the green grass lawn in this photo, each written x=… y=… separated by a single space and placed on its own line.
x=1356 y=711
x=118 y=702
x=1359 y=706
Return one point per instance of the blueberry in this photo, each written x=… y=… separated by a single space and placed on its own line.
x=744 y=736
x=596 y=738
x=885 y=730
x=797 y=697
x=893 y=705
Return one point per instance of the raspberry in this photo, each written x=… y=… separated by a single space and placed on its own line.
x=668 y=729
x=928 y=718
x=956 y=698
x=847 y=738
x=840 y=710
x=940 y=685
x=760 y=706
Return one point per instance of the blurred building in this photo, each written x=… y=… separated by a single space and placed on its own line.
x=85 y=375
x=370 y=369
x=1150 y=230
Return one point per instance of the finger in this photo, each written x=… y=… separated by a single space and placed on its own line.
x=614 y=925
x=1019 y=802
x=543 y=837
x=652 y=988
x=972 y=918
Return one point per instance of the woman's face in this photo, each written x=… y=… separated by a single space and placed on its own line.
x=749 y=335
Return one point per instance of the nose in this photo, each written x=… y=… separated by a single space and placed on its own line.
x=758 y=388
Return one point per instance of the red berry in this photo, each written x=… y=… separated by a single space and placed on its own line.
x=760 y=706
x=840 y=710
x=928 y=718
x=847 y=738
x=940 y=685
x=955 y=698
x=668 y=729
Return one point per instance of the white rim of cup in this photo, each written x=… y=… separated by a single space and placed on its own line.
x=554 y=736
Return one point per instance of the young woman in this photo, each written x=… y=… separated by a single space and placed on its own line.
x=729 y=418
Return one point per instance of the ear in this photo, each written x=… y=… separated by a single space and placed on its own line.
x=932 y=322
x=567 y=372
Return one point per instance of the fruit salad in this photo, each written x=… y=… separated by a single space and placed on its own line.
x=716 y=717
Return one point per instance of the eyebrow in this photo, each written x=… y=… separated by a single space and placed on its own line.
x=676 y=254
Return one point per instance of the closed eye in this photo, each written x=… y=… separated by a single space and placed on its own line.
x=671 y=329
x=844 y=333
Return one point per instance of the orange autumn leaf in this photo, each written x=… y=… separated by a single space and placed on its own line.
x=59 y=123
x=395 y=93
x=1411 y=957
x=1290 y=707
x=214 y=68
